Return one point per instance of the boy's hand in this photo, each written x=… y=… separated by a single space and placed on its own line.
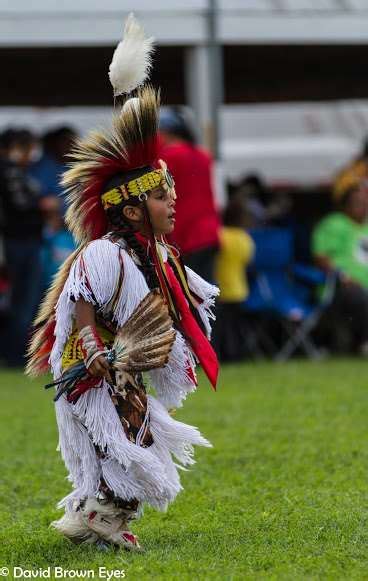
x=100 y=368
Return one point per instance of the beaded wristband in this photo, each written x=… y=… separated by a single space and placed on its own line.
x=91 y=344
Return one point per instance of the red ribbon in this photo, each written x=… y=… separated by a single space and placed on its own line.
x=199 y=343
x=192 y=331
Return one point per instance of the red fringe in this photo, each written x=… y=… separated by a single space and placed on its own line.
x=43 y=353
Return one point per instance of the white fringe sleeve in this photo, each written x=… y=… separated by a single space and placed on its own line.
x=208 y=293
x=95 y=273
x=93 y=276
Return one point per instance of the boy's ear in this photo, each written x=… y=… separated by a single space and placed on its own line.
x=133 y=213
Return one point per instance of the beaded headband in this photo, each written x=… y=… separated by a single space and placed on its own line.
x=139 y=187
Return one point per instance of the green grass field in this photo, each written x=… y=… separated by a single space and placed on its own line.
x=282 y=495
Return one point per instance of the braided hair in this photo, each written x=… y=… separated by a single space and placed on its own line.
x=122 y=228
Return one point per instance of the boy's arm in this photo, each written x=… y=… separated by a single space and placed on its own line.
x=86 y=323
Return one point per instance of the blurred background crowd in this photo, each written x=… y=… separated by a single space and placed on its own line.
x=34 y=240
x=292 y=265
x=264 y=130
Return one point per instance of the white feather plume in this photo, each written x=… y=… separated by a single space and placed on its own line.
x=131 y=62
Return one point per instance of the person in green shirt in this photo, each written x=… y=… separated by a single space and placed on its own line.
x=340 y=246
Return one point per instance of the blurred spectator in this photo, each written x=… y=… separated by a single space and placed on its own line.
x=263 y=206
x=236 y=252
x=57 y=244
x=252 y=190
x=197 y=220
x=4 y=293
x=340 y=246
x=357 y=169
x=22 y=229
x=56 y=146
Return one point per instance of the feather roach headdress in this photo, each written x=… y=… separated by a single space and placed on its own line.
x=131 y=143
x=119 y=166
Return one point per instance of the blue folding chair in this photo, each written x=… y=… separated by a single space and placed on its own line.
x=281 y=289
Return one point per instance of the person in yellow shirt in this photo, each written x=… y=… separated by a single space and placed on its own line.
x=235 y=254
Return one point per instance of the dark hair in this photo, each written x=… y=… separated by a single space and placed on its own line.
x=51 y=138
x=344 y=201
x=175 y=121
x=115 y=214
x=235 y=214
x=6 y=137
x=123 y=228
x=21 y=137
x=24 y=137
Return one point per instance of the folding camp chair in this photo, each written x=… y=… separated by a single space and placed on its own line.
x=283 y=290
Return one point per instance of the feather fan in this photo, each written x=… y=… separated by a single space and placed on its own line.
x=144 y=342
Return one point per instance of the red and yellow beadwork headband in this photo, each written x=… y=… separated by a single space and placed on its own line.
x=140 y=186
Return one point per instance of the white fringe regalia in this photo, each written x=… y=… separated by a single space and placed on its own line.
x=130 y=471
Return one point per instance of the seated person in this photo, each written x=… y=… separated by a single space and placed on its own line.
x=340 y=245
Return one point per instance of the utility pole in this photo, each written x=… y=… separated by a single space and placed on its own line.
x=216 y=96
x=216 y=77
x=204 y=82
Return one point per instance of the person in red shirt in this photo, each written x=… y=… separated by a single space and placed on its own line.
x=196 y=232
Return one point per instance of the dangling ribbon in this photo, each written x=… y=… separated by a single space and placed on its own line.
x=178 y=304
x=192 y=331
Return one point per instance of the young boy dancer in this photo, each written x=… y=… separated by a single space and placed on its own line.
x=117 y=441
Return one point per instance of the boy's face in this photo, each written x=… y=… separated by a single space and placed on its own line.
x=161 y=208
